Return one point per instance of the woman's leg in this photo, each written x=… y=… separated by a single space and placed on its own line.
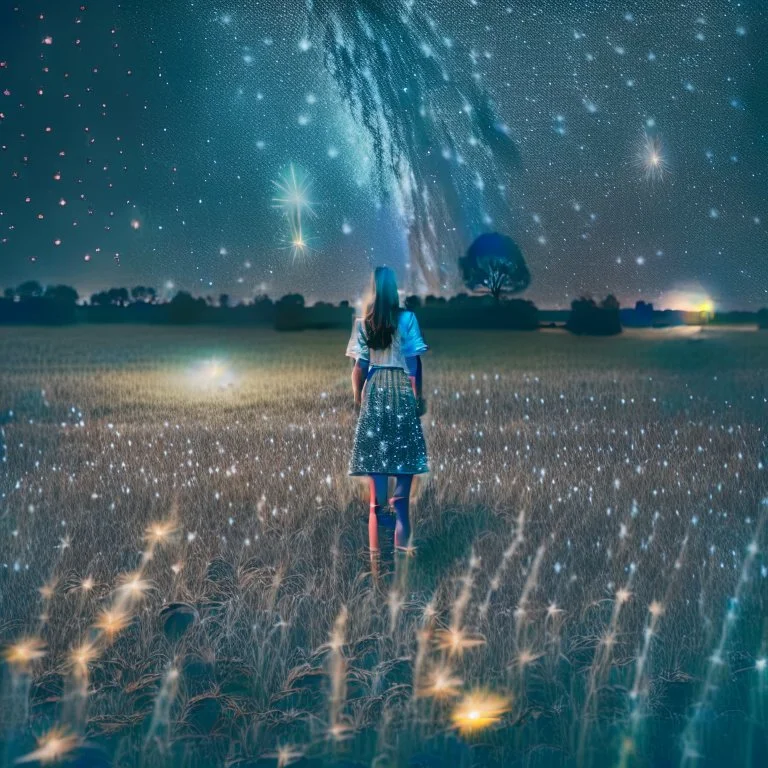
x=400 y=503
x=378 y=485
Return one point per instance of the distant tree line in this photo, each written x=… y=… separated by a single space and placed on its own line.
x=493 y=270
x=587 y=317
x=31 y=303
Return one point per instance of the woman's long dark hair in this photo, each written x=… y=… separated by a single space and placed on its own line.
x=382 y=308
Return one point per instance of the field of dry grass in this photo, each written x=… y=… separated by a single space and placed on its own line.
x=185 y=576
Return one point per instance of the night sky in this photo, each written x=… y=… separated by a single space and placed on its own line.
x=274 y=146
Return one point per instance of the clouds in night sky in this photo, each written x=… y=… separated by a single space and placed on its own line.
x=622 y=145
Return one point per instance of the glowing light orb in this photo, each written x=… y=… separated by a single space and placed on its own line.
x=479 y=709
x=707 y=307
x=211 y=375
x=687 y=299
x=135 y=224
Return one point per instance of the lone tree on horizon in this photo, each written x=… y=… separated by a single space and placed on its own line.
x=494 y=264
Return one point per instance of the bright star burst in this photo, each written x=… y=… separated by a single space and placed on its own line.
x=294 y=201
x=650 y=157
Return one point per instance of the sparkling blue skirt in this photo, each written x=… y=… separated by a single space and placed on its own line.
x=388 y=438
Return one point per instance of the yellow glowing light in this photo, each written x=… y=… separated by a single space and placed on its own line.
x=134 y=586
x=441 y=684
x=112 y=621
x=479 y=709
x=53 y=747
x=25 y=652
x=82 y=656
x=286 y=755
x=456 y=641
x=160 y=532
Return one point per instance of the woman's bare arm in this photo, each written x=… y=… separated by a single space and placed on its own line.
x=414 y=373
x=359 y=372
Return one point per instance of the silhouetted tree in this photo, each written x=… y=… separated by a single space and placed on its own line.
x=117 y=296
x=224 y=301
x=185 y=308
x=494 y=264
x=289 y=312
x=29 y=290
x=762 y=318
x=413 y=302
x=587 y=317
x=292 y=300
x=143 y=293
x=61 y=293
x=9 y=294
x=344 y=303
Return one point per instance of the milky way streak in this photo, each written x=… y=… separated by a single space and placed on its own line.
x=422 y=118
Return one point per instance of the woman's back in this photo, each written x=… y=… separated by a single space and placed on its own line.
x=406 y=342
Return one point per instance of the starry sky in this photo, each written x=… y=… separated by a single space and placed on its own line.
x=274 y=146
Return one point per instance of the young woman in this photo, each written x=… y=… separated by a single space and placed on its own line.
x=386 y=344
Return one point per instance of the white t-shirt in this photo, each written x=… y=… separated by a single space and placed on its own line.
x=406 y=342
